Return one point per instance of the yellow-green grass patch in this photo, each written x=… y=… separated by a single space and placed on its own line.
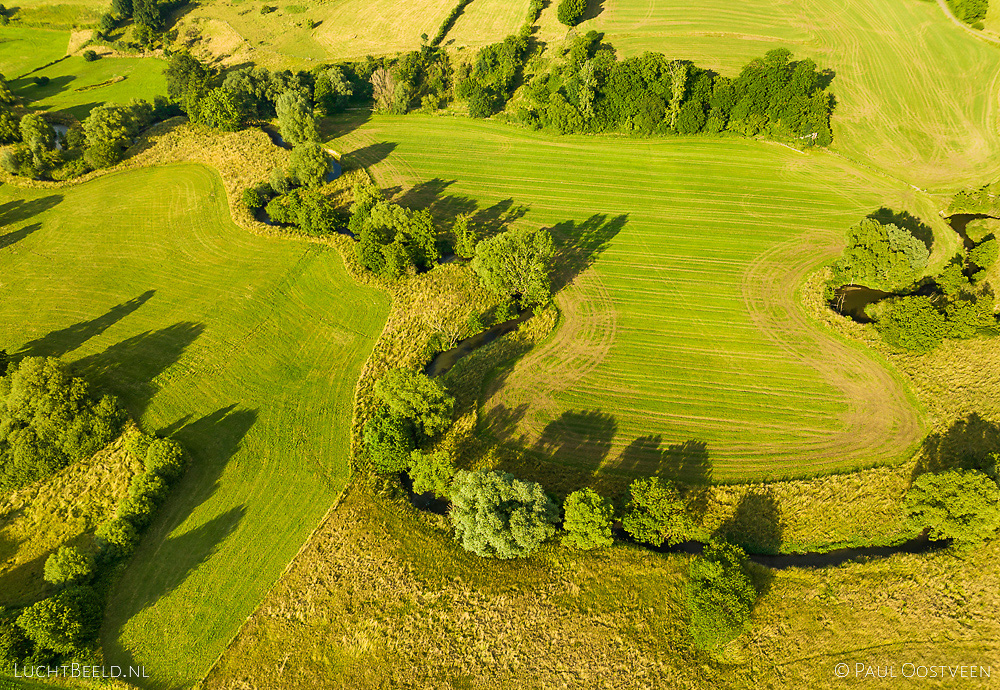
x=244 y=348
x=24 y=49
x=687 y=328
x=486 y=21
x=76 y=86
x=916 y=95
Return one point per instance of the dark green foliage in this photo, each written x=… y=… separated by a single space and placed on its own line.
x=570 y=12
x=255 y=198
x=10 y=126
x=912 y=323
x=587 y=520
x=984 y=254
x=656 y=513
x=186 y=75
x=720 y=595
x=970 y=11
x=333 y=90
x=490 y=83
x=147 y=12
x=19 y=160
x=498 y=516
x=68 y=566
x=963 y=505
x=884 y=257
x=465 y=237
x=137 y=510
x=415 y=397
x=515 y=263
x=969 y=316
x=121 y=8
x=49 y=419
x=223 y=109
x=309 y=164
x=37 y=133
x=448 y=22
x=103 y=155
x=65 y=622
x=307 y=209
x=150 y=485
x=431 y=472
x=391 y=239
x=388 y=441
x=366 y=196
x=117 y=539
x=165 y=457
x=105 y=25
x=14 y=647
x=90 y=55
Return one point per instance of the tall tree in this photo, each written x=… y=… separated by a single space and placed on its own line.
x=295 y=118
x=515 y=263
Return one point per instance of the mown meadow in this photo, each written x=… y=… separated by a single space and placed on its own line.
x=681 y=338
x=245 y=349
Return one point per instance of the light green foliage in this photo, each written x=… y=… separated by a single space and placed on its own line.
x=109 y=124
x=968 y=317
x=393 y=238
x=720 y=595
x=912 y=323
x=117 y=539
x=63 y=623
x=365 y=198
x=983 y=200
x=952 y=280
x=295 y=118
x=10 y=126
x=309 y=164
x=570 y=12
x=165 y=457
x=49 y=419
x=103 y=154
x=498 y=516
x=414 y=396
x=431 y=472
x=308 y=209
x=388 y=441
x=139 y=444
x=587 y=520
x=223 y=109
x=656 y=513
x=879 y=256
x=36 y=133
x=465 y=237
x=963 y=505
x=515 y=263
x=68 y=566
x=984 y=254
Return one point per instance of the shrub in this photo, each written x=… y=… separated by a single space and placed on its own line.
x=253 y=199
x=138 y=510
x=309 y=164
x=268 y=9
x=571 y=11
x=309 y=210
x=90 y=55
x=149 y=485
x=165 y=457
x=14 y=647
x=912 y=323
x=720 y=595
x=963 y=505
x=498 y=516
x=138 y=446
x=655 y=513
x=41 y=81
x=103 y=155
x=414 y=396
x=63 y=623
x=587 y=520
x=515 y=263
x=431 y=472
x=68 y=565
x=117 y=539
x=388 y=441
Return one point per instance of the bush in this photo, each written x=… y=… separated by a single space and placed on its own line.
x=720 y=595
x=498 y=516
x=103 y=155
x=418 y=398
x=268 y=9
x=65 y=622
x=388 y=441
x=254 y=198
x=165 y=457
x=963 y=505
x=309 y=210
x=309 y=164
x=14 y=647
x=587 y=520
x=41 y=81
x=149 y=485
x=912 y=323
x=137 y=510
x=655 y=513
x=69 y=565
x=571 y=11
x=117 y=539
x=431 y=472
x=138 y=446
x=90 y=55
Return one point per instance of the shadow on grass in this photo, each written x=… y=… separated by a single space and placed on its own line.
x=18 y=210
x=17 y=235
x=342 y=124
x=61 y=342
x=967 y=444
x=26 y=88
x=578 y=245
x=756 y=525
x=370 y=155
x=594 y=9
x=902 y=219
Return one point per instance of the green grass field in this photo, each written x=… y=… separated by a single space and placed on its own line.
x=687 y=327
x=73 y=84
x=245 y=349
x=23 y=49
x=917 y=96
x=486 y=21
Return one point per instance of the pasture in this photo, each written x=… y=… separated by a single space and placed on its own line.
x=486 y=21
x=917 y=95
x=683 y=344
x=245 y=349
x=24 y=49
x=76 y=86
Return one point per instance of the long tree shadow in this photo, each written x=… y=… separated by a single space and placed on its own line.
x=756 y=525
x=372 y=154
x=594 y=9
x=579 y=245
x=498 y=217
x=907 y=221
x=578 y=435
x=58 y=343
x=687 y=464
x=129 y=368
x=16 y=236
x=968 y=444
x=19 y=210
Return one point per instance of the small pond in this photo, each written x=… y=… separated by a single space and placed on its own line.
x=851 y=300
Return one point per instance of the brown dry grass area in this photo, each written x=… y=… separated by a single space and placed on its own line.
x=65 y=509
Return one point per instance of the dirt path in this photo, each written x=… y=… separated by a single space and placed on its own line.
x=965 y=27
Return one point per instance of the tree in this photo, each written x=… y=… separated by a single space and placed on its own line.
x=498 y=516
x=223 y=109
x=465 y=237
x=308 y=209
x=884 y=257
x=963 y=505
x=587 y=518
x=68 y=565
x=90 y=55
x=164 y=457
x=515 y=263
x=656 y=513
x=295 y=118
x=570 y=12
x=309 y=164
x=117 y=539
x=110 y=124
x=186 y=74
x=121 y=8
x=64 y=622
x=10 y=126
x=431 y=472
x=418 y=398
x=37 y=133
x=147 y=13
x=911 y=323
x=333 y=90
x=720 y=595
x=984 y=254
x=388 y=441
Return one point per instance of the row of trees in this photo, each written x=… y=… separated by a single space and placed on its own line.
x=591 y=90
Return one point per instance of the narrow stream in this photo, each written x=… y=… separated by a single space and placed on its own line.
x=443 y=361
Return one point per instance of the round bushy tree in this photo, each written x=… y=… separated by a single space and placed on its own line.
x=656 y=513
x=165 y=457
x=68 y=565
x=309 y=164
x=720 y=595
x=963 y=505
x=117 y=539
x=498 y=516
x=64 y=622
x=388 y=441
x=418 y=398
x=587 y=520
x=570 y=12
x=431 y=472
x=913 y=323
